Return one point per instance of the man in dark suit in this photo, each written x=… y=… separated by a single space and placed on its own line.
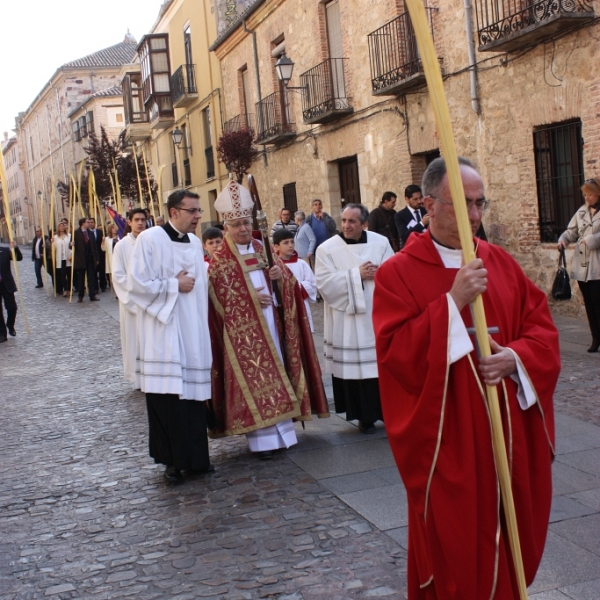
x=41 y=244
x=97 y=235
x=85 y=261
x=412 y=218
x=7 y=290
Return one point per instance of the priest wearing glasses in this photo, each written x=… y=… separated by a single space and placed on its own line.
x=169 y=286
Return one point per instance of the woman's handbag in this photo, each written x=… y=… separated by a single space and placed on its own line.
x=561 y=288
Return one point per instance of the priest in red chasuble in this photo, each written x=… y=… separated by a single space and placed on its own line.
x=432 y=386
x=265 y=369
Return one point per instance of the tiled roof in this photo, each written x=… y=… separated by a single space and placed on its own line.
x=114 y=56
x=117 y=90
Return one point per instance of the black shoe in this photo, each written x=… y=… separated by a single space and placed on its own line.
x=594 y=347
x=39 y=286
x=3 y=338
x=11 y=331
x=79 y=299
x=265 y=455
x=192 y=472
x=95 y=299
x=173 y=475
x=366 y=427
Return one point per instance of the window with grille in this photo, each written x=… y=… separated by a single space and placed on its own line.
x=289 y=197
x=558 y=152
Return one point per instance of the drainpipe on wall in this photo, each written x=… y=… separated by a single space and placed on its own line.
x=472 y=61
x=259 y=115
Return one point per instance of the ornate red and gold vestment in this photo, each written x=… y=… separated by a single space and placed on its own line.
x=251 y=387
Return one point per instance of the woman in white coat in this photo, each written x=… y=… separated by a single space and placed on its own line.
x=584 y=228
x=108 y=243
x=62 y=259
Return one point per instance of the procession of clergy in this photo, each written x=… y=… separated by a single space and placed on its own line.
x=225 y=347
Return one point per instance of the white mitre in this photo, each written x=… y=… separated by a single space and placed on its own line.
x=234 y=202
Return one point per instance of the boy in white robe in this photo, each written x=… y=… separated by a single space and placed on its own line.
x=121 y=261
x=283 y=242
x=168 y=284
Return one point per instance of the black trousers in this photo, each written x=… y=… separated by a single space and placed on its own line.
x=590 y=290
x=178 y=435
x=101 y=272
x=11 y=310
x=63 y=278
x=80 y=274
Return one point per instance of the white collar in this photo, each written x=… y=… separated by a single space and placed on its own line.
x=451 y=258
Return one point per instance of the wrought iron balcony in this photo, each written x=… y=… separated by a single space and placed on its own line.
x=324 y=97
x=183 y=86
x=395 y=62
x=273 y=117
x=509 y=25
x=237 y=123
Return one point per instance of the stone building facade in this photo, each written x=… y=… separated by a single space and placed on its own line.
x=172 y=92
x=19 y=205
x=524 y=105
x=45 y=131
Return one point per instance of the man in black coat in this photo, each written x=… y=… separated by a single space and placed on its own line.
x=85 y=261
x=98 y=236
x=41 y=244
x=7 y=290
x=412 y=218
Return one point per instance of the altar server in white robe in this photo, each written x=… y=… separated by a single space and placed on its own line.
x=168 y=284
x=344 y=269
x=120 y=264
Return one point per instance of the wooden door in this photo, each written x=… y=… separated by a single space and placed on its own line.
x=349 y=184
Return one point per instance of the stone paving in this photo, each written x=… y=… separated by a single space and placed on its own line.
x=84 y=513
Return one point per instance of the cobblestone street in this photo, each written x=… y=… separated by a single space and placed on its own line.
x=85 y=513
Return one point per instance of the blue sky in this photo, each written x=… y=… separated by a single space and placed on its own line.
x=38 y=36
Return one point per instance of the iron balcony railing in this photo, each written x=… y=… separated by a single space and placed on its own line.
x=273 y=117
x=237 y=123
x=210 y=162
x=498 y=20
x=183 y=82
x=394 y=55
x=324 y=97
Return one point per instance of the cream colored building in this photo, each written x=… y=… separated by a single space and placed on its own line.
x=174 y=85
x=523 y=98
x=19 y=205
x=45 y=130
x=101 y=109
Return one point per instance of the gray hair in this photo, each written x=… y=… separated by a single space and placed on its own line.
x=364 y=211
x=299 y=214
x=435 y=173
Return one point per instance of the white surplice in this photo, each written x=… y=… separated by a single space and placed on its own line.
x=120 y=264
x=306 y=278
x=174 y=352
x=282 y=434
x=349 y=339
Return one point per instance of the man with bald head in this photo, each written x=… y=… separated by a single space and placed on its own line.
x=432 y=391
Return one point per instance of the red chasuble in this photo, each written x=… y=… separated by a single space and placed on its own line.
x=439 y=428
x=252 y=388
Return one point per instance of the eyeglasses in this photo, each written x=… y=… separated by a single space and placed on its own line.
x=481 y=204
x=591 y=181
x=239 y=224
x=192 y=211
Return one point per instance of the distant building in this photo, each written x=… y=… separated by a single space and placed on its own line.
x=172 y=94
x=45 y=130
x=16 y=191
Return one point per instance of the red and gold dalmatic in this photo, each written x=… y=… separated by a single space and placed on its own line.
x=252 y=388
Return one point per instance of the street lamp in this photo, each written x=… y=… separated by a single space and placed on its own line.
x=177 y=136
x=284 y=67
